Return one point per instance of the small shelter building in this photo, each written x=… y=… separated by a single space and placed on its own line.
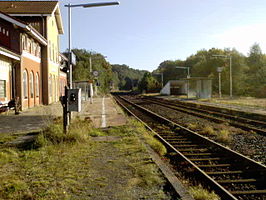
x=193 y=87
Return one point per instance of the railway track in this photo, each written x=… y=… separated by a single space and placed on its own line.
x=245 y=123
x=231 y=175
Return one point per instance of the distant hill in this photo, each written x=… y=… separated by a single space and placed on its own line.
x=128 y=78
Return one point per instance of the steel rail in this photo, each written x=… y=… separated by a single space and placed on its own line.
x=246 y=163
x=219 y=117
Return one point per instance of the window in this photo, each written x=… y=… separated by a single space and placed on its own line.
x=25 y=84
x=24 y=42
x=28 y=45
x=31 y=85
x=38 y=50
x=2 y=88
x=50 y=86
x=50 y=50
x=53 y=52
x=33 y=48
x=37 y=85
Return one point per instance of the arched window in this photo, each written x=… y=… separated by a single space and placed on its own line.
x=37 y=85
x=25 y=84
x=31 y=85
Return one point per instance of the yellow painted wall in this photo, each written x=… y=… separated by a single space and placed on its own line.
x=53 y=58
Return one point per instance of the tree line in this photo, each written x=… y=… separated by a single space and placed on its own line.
x=248 y=72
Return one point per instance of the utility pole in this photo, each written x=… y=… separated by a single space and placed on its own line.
x=90 y=84
x=230 y=72
x=65 y=100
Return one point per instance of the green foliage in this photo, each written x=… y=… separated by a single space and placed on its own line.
x=127 y=78
x=149 y=84
x=81 y=72
x=249 y=73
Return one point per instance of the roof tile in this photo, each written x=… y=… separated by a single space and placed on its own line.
x=27 y=7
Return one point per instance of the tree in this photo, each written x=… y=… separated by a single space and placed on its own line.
x=81 y=72
x=256 y=73
x=128 y=77
x=149 y=84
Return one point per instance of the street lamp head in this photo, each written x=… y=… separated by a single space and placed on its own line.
x=100 y=4
x=88 y=5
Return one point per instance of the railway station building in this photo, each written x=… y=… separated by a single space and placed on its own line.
x=29 y=52
x=20 y=61
x=45 y=18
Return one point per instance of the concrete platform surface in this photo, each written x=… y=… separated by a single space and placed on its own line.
x=103 y=112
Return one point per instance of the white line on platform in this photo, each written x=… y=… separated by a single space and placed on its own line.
x=103 y=115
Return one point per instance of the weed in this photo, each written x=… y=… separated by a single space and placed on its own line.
x=155 y=144
x=192 y=126
x=224 y=136
x=199 y=193
x=208 y=130
x=54 y=134
x=148 y=175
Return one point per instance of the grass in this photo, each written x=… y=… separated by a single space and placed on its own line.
x=243 y=101
x=224 y=136
x=199 y=193
x=208 y=130
x=73 y=166
x=155 y=144
x=192 y=126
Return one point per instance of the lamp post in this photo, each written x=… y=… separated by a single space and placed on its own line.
x=69 y=6
x=66 y=113
x=230 y=71
x=219 y=70
x=188 y=76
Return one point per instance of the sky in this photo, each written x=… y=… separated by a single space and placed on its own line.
x=144 y=33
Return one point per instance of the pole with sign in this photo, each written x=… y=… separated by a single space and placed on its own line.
x=219 y=70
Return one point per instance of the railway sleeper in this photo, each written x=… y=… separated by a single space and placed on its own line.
x=205 y=159
x=229 y=181
x=214 y=165
x=249 y=192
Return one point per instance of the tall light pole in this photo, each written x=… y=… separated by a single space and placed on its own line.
x=230 y=71
x=66 y=112
x=69 y=6
x=188 y=76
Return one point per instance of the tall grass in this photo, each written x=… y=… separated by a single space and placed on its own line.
x=199 y=193
x=79 y=131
